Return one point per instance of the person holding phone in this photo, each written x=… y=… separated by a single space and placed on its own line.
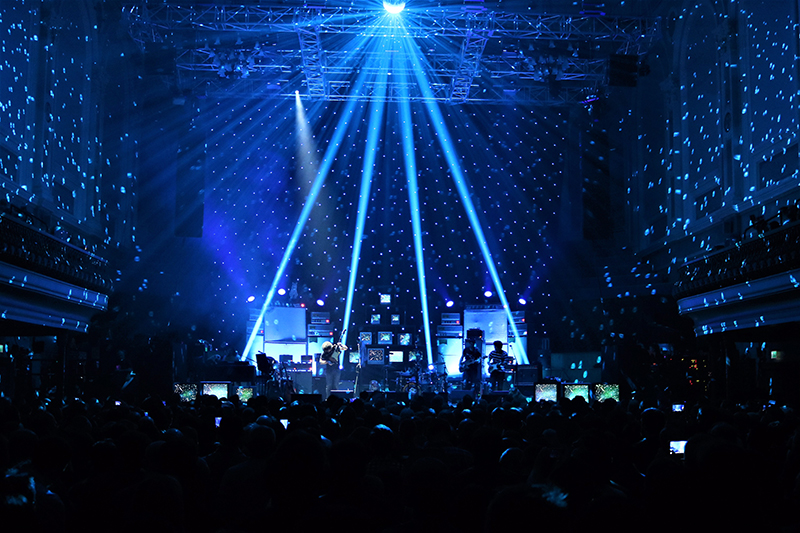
x=330 y=358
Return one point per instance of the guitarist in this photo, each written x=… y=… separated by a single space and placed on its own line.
x=498 y=366
x=329 y=358
x=470 y=366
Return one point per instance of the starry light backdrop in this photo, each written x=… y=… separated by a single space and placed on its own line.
x=710 y=133
x=258 y=193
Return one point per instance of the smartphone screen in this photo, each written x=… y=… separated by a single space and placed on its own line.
x=677 y=447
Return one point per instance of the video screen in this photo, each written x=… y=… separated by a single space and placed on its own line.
x=353 y=357
x=384 y=337
x=375 y=319
x=395 y=319
x=546 y=392
x=395 y=356
x=573 y=390
x=220 y=390
x=365 y=337
x=606 y=391
x=375 y=356
x=385 y=299
x=187 y=391
x=404 y=339
x=414 y=356
x=244 y=393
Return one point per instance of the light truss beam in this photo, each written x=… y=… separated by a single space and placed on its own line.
x=471 y=52
x=430 y=23
x=311 y=52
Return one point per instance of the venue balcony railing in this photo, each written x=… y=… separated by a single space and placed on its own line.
x=30 y=248
x=767 y=253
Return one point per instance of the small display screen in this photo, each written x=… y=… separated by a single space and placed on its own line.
x=546 y=392
x=573 y=390
x=220 y=390
x=365 y=337
x=386 y=299
x=244 y=393
x=606 y=391
x=375 y=319
x=385 y=337
x=395 y=319
x=187 y=391
x=395 y=356
x=404 y=339
x=375 y=356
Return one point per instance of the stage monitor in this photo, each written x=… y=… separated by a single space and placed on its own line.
x=244 y=393
x=375 y=356
x=395 y=356
x=606 y=391
x=220 y=390
x=573 y=390
x=375 y=319
x=404 y=339
x=186 y=391
x=546 y=392
x=384 y=337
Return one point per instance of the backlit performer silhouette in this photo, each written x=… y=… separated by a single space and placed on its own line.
x=331 y=354
x=470 y=367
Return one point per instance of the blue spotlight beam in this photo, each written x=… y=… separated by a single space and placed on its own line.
x=319 y=181
x=375 y=123
x=416 y=224
x=460 y=181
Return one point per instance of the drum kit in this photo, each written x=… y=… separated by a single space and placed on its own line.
x=277 y=383
x=413 y=380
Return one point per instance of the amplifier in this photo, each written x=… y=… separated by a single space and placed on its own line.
x=320 y=330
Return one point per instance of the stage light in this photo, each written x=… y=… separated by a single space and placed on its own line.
x=251 y=299
x=522 y=301
x=282 y=292
x=449 y=303
x=394 y=6
x=488 y=294
x=320 y=302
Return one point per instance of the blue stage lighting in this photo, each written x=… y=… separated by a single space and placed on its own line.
x=394 y=6
x=416 y=222
x=459 y=179
x=251 y=299
x=320 y=302
x=375 y=120
x=282 y=292
x=522 y=301
x=450 y=303
x=488 y=294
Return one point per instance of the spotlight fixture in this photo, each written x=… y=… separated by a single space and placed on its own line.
x=282 y=292
x=488 y=294
x=320 y=302
x=522 y=301
x=251 y=299
x=449 y=303
x=394 y=7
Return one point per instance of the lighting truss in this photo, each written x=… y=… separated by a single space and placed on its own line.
x=491 y=55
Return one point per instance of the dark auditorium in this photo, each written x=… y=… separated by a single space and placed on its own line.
x=475 y=266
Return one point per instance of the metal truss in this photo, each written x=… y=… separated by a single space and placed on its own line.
x=463 y=49
x=311 y=49
x=434 y=22
x=471 y=51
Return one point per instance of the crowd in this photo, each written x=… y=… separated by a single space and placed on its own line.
x=377 y=464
